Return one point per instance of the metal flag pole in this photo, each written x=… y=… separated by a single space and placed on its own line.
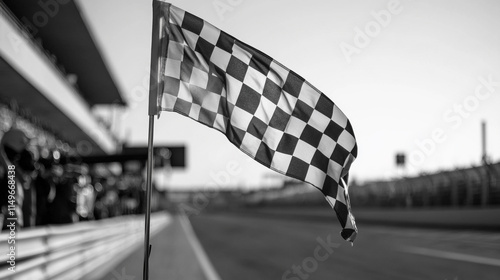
x=154 y=87
x=149 y=174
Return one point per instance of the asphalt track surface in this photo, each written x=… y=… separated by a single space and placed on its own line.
x=258 y=246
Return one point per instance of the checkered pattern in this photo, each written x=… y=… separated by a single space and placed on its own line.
x=266 y=110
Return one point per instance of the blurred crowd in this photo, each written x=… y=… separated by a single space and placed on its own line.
x=55 y=187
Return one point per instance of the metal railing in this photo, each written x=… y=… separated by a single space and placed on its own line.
x=86 y=250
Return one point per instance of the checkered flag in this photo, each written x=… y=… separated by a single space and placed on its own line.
x=268 y=111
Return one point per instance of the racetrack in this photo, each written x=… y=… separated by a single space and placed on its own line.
x=259 y=246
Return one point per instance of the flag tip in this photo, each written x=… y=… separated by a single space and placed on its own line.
x=349 y=235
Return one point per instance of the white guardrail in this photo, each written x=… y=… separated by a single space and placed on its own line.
x=85 y=250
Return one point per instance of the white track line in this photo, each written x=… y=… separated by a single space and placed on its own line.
x=205 y=263
x=451 y=255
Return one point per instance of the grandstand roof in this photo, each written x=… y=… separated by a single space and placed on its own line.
x=63 y=32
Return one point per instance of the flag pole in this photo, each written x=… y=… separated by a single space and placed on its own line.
x=154 y=87
x=149 y=173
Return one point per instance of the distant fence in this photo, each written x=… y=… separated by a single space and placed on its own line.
x=475 y=187
x=86 y=250
x=470 y=187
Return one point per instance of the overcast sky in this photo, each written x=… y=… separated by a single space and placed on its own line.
x=412 y=76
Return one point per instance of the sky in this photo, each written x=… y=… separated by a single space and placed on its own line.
x=413 y=77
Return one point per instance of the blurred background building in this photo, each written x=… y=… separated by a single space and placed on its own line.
x=68 y=160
